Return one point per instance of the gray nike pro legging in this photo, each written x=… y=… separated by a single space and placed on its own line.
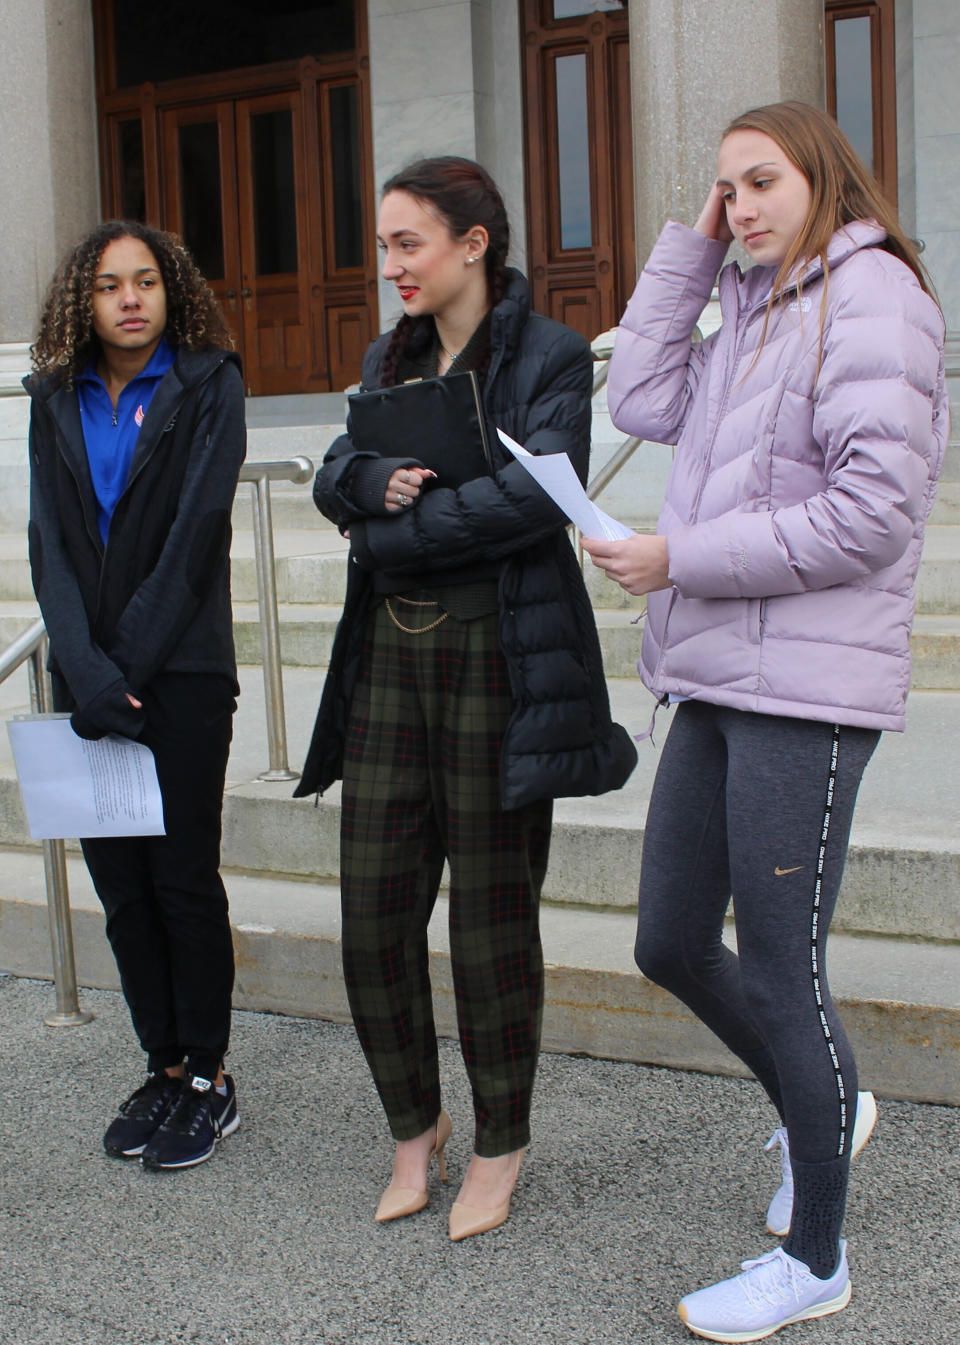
x=758 y=807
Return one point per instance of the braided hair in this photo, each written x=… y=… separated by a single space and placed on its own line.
x=463 y=194
x=66 y=342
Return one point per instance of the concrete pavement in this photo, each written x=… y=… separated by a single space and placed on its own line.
x=640 y=1185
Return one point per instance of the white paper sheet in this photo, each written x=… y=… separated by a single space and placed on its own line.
x=554 y=473
x=75 y=787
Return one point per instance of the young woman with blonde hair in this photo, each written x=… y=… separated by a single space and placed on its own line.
x=810 y=431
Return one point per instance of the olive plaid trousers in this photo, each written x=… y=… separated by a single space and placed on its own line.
x=421 y=784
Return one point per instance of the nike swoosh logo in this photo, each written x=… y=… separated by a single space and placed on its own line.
x=778 y=872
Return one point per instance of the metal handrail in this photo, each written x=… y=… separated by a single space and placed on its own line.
x=31 y=648
x=623 y=454
x=259 y=475
x=610 y=468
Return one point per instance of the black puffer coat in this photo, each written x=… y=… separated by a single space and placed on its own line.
x=560 y=740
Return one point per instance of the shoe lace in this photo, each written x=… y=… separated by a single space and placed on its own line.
x=779 y=1136
x=187 y=1116
x=144 y=1100
x=769 y=1279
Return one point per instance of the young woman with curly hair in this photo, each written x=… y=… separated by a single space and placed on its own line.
x=136 y=440
x=465 y=690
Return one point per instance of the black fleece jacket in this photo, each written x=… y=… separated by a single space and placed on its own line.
x=560 y=740
x=157 y=596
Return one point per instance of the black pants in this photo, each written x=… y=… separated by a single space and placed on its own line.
x=165 y=903
x=739 y=806
x=760 y=807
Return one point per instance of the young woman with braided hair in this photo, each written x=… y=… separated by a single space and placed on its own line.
x=465 y=690
x=136 y=439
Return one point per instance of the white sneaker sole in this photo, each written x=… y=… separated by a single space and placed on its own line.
x=864 y=1122
x=864 y=1125
x=230 y=1127
x=807 y=1314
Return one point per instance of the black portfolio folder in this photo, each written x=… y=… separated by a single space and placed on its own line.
x=440 y=421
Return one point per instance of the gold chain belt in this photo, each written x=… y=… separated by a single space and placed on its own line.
x=411 y=602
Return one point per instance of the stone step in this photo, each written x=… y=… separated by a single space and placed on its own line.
x=893 y=994
x=310 y=568
x=946 y=508
x=307 y=631
x=902 y=876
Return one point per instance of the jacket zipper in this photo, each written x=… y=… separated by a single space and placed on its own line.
x=738 y=343
x=148 y=458
x=94 y=535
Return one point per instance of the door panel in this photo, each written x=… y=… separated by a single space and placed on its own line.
x=348 y=335
x=200 y=190
x=272 y=231
x=579 y=161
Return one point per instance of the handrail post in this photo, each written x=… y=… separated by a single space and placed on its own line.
x=68 y=1012
x=279 y=768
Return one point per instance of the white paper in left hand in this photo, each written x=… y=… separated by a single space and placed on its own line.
x=553 y=473
x=72 y=786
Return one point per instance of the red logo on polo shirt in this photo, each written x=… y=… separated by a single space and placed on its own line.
x=138 y=416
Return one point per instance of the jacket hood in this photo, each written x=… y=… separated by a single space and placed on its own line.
x=190 y=366
x=753 y=286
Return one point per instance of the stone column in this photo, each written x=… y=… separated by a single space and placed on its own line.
x=445 y=79
x=936 y=121
x=49 y=193
x=49 y=188
x=694 y=65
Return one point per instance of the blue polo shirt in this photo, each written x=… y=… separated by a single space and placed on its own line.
x=111 y=437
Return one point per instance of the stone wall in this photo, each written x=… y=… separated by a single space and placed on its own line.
x=694 y=66
x=445 y=79
x=936 y=155
x=49 y=187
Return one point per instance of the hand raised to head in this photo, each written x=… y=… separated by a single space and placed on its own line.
x=712 y=222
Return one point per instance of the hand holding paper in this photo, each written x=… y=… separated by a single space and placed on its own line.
x=553 y=473
x=639 y=564
x=73 y=786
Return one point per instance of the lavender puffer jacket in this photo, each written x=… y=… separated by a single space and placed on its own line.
x=798 y=497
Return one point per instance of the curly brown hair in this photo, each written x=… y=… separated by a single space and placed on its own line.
x=66 y=341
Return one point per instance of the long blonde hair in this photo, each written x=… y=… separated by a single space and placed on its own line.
x=841 y=189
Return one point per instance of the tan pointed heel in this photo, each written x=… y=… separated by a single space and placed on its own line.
x=466 y=1221
x=444 y=1131
x=399 y=1201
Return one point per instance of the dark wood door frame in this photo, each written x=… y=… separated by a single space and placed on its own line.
x=883 y=70
x=585 y=286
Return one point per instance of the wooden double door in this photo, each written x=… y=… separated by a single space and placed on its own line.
x=233 y=190
x=270 y=189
